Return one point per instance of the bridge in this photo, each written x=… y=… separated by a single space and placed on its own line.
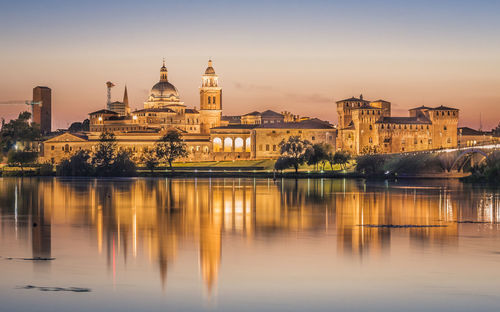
x=455 y=159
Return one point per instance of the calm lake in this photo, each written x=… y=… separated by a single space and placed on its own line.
x=248 y=245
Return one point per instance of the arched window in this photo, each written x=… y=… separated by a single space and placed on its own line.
x=445 y=128
x=371 y=128
x=217 y=145
x=208 y=100
x=247 y=145
x=228 y=145
x=213 y=100
x=238 y=145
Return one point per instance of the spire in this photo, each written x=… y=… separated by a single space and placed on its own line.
x=209 y=63
x=125 y=97
x=163 y=72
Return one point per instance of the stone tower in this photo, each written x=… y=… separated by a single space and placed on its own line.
x=210 y=100
x=42 y=113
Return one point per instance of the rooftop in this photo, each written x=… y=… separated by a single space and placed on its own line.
x=103 y=111
x=312 y=123
x=404 y=120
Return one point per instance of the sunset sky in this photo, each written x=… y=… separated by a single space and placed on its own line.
x=299 y=56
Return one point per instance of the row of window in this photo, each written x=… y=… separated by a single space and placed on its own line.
x=213 y=100
x=382 y=126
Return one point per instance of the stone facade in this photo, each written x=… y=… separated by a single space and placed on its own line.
x=367 y=126
x=42 y=113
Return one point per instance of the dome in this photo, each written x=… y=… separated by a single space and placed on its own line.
x=164 y=89
x=210 y=71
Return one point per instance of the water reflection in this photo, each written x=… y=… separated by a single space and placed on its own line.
x=154 y=218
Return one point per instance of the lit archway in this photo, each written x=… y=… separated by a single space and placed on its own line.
x=217 y=145
x=238 y=145
x=247 y=145
x=228 y=144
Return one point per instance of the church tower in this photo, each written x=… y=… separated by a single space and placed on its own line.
x=210 y=100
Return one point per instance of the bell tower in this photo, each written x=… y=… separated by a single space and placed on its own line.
x=210 y=100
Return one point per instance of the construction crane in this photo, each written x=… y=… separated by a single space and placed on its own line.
x=20 y=102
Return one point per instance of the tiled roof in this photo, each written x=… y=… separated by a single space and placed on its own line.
x=470 y=131
x=270 y=113
x=404 y=120
x=237 y=127
x=444 y=108
x=353 y=99
x=313 y=123
x=154 y=110
x=103 y=111
x=256 y=113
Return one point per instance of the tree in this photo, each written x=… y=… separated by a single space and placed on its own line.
x=77 y=165
x=316 y=154
x=282 y=163
x=122 y=165
x=75 y=127
x=21 y=158
x=150 y=159
x=295 y=149
x=370 y=164
x=105 y=154
x=86 y=125
x=170 y=147
x=341 y=158
x=18 y=131
x=80 y=126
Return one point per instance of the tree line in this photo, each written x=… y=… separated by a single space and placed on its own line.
x=109 y=160
x=296 y=151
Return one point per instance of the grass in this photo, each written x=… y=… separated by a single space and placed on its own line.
x=267 y=164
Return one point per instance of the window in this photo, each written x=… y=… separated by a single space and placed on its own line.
x=274 y=148
x=445 y=128
x=267 y=147
x=52 y=147
x=208 y=100
x=260 y=147
x=449 y=140
x=213 y=100
x=370 y=140
x=371 y=128
x=313 y=138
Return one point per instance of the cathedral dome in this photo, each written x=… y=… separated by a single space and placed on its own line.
x=164 y=89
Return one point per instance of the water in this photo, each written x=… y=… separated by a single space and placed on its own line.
x=248 y=245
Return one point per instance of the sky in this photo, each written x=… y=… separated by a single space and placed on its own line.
x=299 y=56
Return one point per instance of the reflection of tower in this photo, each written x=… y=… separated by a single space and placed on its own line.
x=210 y=246
x=41 y=231
x=210 y=100
x=42 y=113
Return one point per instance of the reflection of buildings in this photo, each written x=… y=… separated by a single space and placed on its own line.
x=154 y=218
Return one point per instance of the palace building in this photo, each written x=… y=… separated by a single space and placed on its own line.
x=207 y=133
x=367 y=126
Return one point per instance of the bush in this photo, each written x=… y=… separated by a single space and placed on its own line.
x=46 y=169
x=123 y=166
x=413 y=164
x=76 y=165
x=370 y=164
x=283 y=163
